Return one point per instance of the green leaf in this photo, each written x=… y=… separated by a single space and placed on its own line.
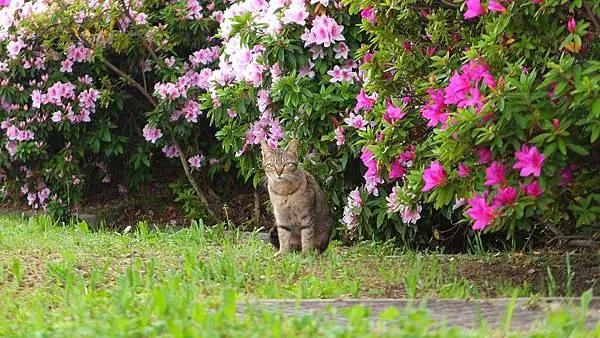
x=578 y=149
x=596 y=108
x=562 y=146
x=550 y=149
x=380 y=219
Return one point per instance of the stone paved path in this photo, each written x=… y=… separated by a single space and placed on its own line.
x=467 y=314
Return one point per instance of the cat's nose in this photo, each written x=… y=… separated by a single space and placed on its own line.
x=279 y=171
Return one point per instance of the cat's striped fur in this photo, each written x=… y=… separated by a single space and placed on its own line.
x=303 y=217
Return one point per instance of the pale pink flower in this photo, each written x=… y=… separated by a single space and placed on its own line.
x=152 y=133
x=196 y=161
x=357 y=121
x=340 y=138
x=341 y=50
x=170 y=151
x=296 y=13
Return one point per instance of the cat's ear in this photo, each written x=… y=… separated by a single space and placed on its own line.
x=264 y=147
x=292 y=147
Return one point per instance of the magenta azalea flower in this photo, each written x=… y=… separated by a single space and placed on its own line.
x=463 y=170
x=572 y=25
x=484 y=154
x=532 y=189
x=505 y=196
x=494 y=174
x=392 y=113
x=396 y=169
x=529 y=160
x=474 y=9
x=495 y=6
x=482 y=213
x=434 y=176
x=364 y=101
x=368 y=13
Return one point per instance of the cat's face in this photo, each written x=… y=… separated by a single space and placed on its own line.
x=280 y=164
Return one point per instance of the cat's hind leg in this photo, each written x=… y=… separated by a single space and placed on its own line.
x=307 y=235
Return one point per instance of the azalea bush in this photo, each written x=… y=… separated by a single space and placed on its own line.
x=96 y=100
x=287 y=70
x=417 y=117
x=480 y=111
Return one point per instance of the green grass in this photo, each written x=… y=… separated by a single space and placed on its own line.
x=68 y=281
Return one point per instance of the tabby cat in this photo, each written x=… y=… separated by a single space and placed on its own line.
x=303 y=217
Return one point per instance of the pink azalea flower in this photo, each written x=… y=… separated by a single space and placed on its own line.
x=435 y=110
x=296 y=13
x=152 y=133
x=368 y=159
x=356 y=121
x=532 y=189
x=411 y=215
x=495 y=6
x=43 y=194
x=463 y=170
x=324 y=31
x=196 y=161
x=170 y=151
x=567 y=175
x=529 y=160
x=434 y=176
x=368 y=57
x=372 y=180
x=482 y=213
x=12 y=148
x=369 y=14
x=409 y=154
x=340 y=138
x=495 y=174
x=354 y=199
x=341 y=50
x=56 y=117
x=505 y=196
x=474 y=9
x=336 y=74
x=556 y=123
x=396 y=169
x=572 y=25
x=4 y=3
x=364 y=101
x=392 y=113
x=393 y=203
x=484 y=154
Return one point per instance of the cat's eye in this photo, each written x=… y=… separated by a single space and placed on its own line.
x=269 y=166
x=290 y=164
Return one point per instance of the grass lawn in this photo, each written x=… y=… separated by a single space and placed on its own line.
x=68 y=281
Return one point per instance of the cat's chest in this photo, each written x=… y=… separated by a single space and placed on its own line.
x=287 y=208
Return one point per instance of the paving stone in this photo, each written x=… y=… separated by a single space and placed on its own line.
x=467 y=314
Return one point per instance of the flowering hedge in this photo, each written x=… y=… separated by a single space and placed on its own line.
x=287 y=70
x=79 y=104
x=485 y=110
x=416 y=116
